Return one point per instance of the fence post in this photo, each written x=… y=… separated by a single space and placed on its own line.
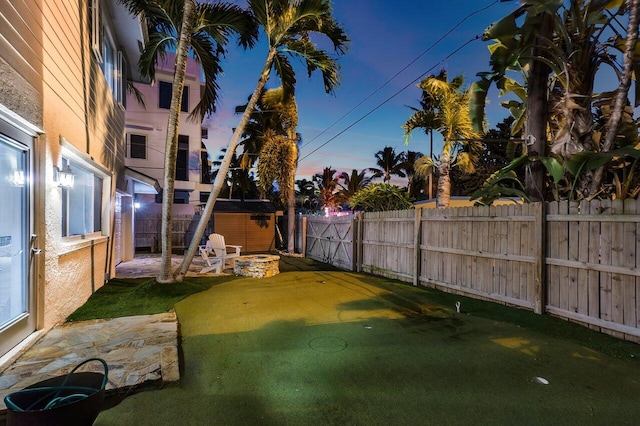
x=358 y=243
x=303 y=244
x=417 y=234
x=539 y=283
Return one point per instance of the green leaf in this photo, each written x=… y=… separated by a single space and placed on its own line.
x=506 y=27
x=554 y=168
x=477 y=101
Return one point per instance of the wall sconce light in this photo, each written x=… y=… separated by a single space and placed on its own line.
x=17 y=179
x=64 y=177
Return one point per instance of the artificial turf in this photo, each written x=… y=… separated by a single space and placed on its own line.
x=332 y=347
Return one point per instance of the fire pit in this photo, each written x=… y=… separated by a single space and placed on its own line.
x=257 y=266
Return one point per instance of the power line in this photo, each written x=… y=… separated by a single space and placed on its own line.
x=445 y=35
x=391 y=97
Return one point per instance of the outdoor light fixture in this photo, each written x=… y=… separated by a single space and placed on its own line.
x=17 y=179
x=136 y=205
x=64 y=177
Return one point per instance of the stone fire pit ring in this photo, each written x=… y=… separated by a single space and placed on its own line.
x=257 y=266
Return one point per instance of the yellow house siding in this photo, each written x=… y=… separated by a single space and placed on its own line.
x=21 y=58
x=79 y=108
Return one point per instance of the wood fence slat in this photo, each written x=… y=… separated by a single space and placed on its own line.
x=617 y=259
x=453 y=243
x=573 y=242
x=508 y=291
x=629 y=258
x=553 y=274
x=605 y=258
x=493 y=248
x=527 y=241
x=503 y=211
x=594 y=257
x=583 y=256
x=515 y=250
x=563 y=253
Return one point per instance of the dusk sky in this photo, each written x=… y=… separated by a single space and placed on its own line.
x=386 y=36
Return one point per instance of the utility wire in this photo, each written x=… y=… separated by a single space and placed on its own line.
x=445 y=35
x=391 y=97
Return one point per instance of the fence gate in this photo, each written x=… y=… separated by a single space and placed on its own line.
x=330 y=240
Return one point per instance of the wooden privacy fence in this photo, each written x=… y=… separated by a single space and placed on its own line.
x=148 y=231
x=578 y=261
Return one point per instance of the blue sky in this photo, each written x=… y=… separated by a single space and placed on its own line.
x=386 y=36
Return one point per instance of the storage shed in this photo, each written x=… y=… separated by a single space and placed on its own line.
x=249 y=223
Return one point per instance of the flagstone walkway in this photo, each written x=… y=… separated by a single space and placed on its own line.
x=138 y=350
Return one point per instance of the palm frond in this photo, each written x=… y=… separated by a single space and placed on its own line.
x=285 y=71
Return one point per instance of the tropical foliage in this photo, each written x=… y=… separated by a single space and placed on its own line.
x=449 y=115
x=327 y=182
x=381 y=197
x=577 y=42
x=352 y=183
x=292 y=29
x=389 y=163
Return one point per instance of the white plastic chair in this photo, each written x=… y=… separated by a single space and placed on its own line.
x=213 y=263
x=217 y=251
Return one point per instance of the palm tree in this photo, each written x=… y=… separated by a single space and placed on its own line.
x=327 y=183
x=278 y=159
x=452 y=120
x=389 y=163
x=288 y=26
x=200 y=29
x=408 y=168
x=306 y=192
x=424 y=118
x=352 y=183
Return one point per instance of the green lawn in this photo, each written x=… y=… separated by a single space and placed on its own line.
x=331 y=347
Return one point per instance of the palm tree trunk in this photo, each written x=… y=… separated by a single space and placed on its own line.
x=224 y=168
x=291 y=210
x=443 y=196
x=171 y=143
x=537 y=114
x=623 y=88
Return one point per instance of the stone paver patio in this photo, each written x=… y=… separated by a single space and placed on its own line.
x=138 y=350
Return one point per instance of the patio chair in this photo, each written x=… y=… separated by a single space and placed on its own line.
x=217 y=249
x=213 y=263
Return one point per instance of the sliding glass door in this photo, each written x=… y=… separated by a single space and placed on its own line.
x=17 y=307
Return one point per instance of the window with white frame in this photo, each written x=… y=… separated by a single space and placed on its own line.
x=110 y=59
x=137 y=146
x=82 y=203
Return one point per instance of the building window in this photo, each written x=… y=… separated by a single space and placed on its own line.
x=182 y=160
x=164 y=91
x=204 y=196
x=137 y=146
x=180 y=197
x=205 y=133
x=82 y=204
x=110 y=59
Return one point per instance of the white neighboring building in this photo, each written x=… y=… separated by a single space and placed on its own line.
x=146 y=130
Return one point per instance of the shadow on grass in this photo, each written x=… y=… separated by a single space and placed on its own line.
x=143 y=296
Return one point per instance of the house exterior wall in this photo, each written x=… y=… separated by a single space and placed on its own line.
x=51 y=78
x=151 y=121
x=21 y=59
x=79 y=114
